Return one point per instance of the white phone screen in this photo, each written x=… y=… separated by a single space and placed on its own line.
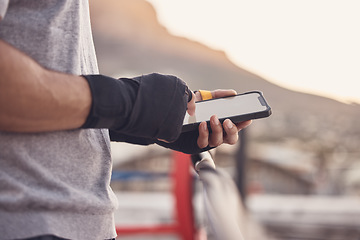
x=226 y=107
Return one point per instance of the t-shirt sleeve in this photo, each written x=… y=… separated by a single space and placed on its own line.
x=3 y=7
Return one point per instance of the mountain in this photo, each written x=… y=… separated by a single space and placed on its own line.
x=129 y=41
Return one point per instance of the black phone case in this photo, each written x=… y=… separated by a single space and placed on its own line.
x=235 y=119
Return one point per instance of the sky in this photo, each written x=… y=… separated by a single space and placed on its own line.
x=305 y=45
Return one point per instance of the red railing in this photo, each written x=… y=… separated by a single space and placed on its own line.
x=183 y=225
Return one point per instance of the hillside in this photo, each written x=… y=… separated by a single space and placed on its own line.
x=130 y=41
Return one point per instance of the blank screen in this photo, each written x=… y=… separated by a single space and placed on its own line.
x=226 y=107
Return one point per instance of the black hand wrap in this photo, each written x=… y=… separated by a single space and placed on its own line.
x=186 y=143
x=151 y=106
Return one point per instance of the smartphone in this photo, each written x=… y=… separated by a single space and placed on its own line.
x=238 y=108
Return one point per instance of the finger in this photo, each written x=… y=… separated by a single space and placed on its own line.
x=163 y=140
x=203 y=139
x=198 y=96
x=242 y=125
x=216 y=136
x=223 y=93
x=231 y=136
x=191 y=105
x=215 y=94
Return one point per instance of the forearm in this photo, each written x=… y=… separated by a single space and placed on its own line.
x=34 y=99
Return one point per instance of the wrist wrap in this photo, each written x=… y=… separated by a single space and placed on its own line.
x=151 y=106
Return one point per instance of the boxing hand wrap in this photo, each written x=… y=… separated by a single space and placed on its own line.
x=186 y=143
x=150 y=106
x=112 y=101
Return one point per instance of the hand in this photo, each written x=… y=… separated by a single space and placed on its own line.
x=226 y=133
x=199 y=141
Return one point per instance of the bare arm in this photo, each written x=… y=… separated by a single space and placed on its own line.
x=34 y=99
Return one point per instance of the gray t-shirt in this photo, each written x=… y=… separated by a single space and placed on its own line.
x=55 y=182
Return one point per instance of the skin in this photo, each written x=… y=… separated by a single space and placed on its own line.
x=58 y=101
